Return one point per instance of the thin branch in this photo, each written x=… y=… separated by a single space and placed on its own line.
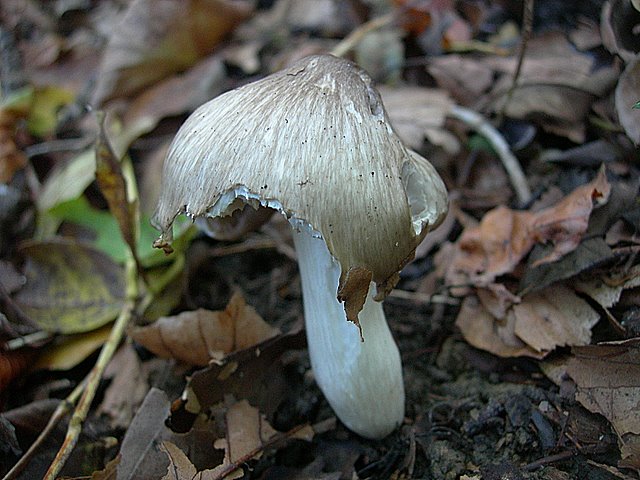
x=61 y=411
x=478 y=123
x=251 y=454
x=93 y=379
x=527 y=27
x=354 y=38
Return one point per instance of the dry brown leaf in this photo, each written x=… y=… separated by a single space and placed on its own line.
x=180 y=467
x=197 y=337
x=501 y=323
x=606 y=290
x=566 y=222
x=174 y=96
x=557 y=84
x=156 y=39
x=247 y=434
x=12 y=159
x=466 y=78
x=127 y=389
x=481 y=330
x=418 y=112
x=13 y=364
x=504 y=236
x=554 y=317
x=607 y=377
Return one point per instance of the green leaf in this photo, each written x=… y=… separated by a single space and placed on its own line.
x=47 y=101
x=70 y=287
x=107 y=233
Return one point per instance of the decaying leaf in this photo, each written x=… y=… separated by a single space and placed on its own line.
x=127 y=389
x=588 y=254
x=140 y=453
x=70 y=287
x=557 y=84
x=113 y=186
x=418 y=113
x=481 y=330
x=180 y=468
x=69 y=351
x=13 y=364
x=505 y=236
x=534 y=325
x=174 y=96
x=197 y=337
x=158 y=38
x=255 y=373
x=554 y=317
x=248 y=432
x=607 y=377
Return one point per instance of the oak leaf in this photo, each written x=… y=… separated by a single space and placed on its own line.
x=199 y=336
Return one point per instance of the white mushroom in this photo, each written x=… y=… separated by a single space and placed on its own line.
x=314 y=143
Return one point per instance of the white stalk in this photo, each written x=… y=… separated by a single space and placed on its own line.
x=362 y=380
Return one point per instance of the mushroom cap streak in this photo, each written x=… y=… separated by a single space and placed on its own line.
x=314 y=142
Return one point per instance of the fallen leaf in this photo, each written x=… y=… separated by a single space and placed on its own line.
x=533 y=326
x=67 y=352
x=255 y=373
x=156 y=39
x=173 y=96
x=607 y=377
x=109 y=472
x=180 y=468
x=70 y=287
x=107 y=232
x=417 y=113
x=139 y=456
x=127 y=390
x=13 y=364
x=554 y=317
x=67 y=181
x=607 y=290
x=566 y=222
x=197 y=337
x=248 y=433
x=590 y=253
x=464 y=77
x=616 y=22
x=557 y=85
x=113 y=186
x=504 y=236
x=481 y=330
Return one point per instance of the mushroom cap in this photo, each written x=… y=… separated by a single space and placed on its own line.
x=314 y=142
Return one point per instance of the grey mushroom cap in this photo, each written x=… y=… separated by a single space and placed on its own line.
x=314 y=142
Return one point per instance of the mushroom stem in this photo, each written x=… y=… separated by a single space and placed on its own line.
x=362 y=380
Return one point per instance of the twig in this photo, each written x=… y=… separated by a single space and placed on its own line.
x=61 y=411
x=93 y=379
x=27 y=340
x=63 y=145
x=478 y=123
x=235 y=465
x=355 y=37
x=423 y=297
x=527 y=27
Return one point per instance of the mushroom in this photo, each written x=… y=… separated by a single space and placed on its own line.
x=313 y=142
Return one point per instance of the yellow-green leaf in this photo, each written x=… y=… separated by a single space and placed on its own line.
x=70 y=287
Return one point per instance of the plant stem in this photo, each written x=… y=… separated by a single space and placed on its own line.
x=93 y=379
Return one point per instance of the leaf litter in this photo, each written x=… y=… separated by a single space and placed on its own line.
x=548 y=289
